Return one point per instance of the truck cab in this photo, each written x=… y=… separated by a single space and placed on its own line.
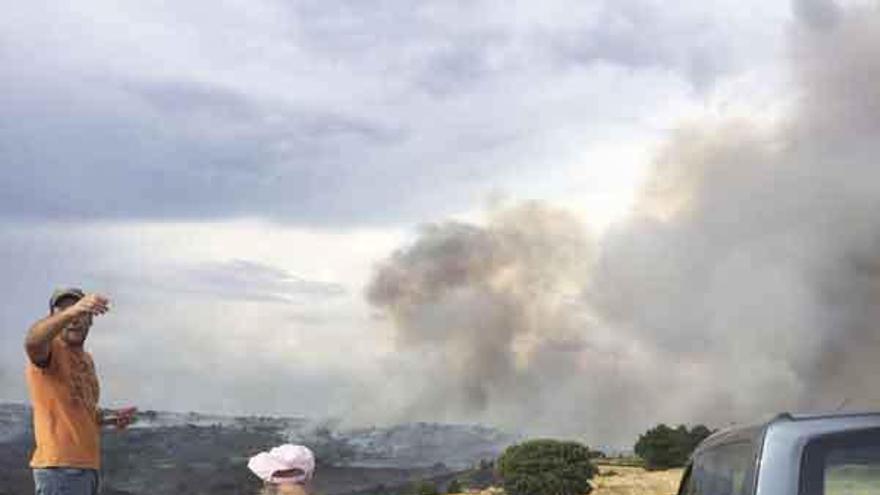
x=830 y=454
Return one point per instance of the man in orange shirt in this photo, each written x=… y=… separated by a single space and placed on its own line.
x=63 y=388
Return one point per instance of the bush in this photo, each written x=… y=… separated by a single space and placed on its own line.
x=546 y=467
x=454 y=486
x=662 y=447
x=425 y=488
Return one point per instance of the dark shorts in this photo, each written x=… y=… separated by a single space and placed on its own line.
x=66 y=481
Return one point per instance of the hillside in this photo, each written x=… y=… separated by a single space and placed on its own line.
x=195 y=453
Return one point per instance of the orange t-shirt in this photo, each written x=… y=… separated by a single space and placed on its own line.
x=64 y=395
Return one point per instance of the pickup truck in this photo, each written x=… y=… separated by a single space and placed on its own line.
x=830 y=454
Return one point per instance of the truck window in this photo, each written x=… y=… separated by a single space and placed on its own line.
x=842 y=464
x=722 y=470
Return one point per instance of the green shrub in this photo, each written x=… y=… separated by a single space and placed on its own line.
x=425 y=488
x=454 y=486
x=546 y=467
x=663 y=447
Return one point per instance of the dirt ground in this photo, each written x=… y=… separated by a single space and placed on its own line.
x=620 y=480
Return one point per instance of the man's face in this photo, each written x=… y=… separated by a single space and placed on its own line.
x=76 y=332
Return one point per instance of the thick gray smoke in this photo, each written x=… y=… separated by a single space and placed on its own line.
x=747 y=283
x=758 y=250
x=496 y=306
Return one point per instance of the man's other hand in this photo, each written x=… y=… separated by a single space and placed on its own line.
x=121 y=418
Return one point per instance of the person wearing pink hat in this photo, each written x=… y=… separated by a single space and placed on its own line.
x=286 y=469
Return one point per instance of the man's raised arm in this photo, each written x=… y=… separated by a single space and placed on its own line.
x=38 y=341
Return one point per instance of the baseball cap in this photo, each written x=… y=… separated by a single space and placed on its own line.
x=61 y=293
x=283 y=458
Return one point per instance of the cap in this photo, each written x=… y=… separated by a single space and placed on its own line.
x=60 y=294
x=283 y=458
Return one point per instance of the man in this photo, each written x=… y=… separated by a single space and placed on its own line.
x=64 y=391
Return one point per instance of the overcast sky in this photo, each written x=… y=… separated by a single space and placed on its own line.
x=231 y=173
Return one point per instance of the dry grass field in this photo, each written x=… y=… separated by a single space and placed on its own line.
x=621 y=480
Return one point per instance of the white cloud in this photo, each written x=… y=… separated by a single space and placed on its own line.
x=338 y=112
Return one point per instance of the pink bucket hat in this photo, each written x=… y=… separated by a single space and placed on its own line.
x=283 y=458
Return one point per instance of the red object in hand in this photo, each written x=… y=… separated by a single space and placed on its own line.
x=125 y=417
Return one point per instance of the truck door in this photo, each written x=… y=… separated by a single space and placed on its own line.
x=725 y=469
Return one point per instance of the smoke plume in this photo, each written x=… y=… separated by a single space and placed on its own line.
x=491 y=304
x=747 y=281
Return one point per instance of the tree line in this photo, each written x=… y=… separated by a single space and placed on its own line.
x=555 y=467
